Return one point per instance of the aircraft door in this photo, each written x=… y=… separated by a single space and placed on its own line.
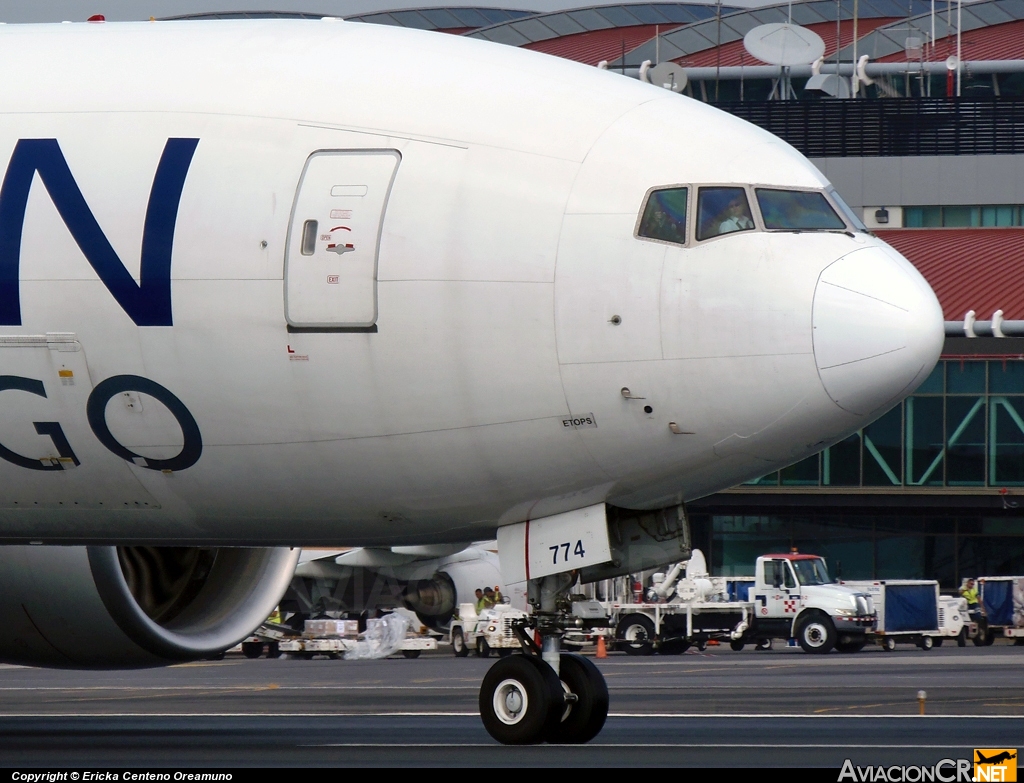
x=50 y=457
x=334 y=237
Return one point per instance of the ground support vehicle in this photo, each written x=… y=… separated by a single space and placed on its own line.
x=491 y=629
x=1002 y=602
x=790 y=596
x=911 y=611
x=334 y=638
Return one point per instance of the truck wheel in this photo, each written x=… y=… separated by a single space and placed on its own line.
x=736 y=645
x=521 y=702
x=252 y=649
x=990 y=637
x=459 y=644
x=673 y=647
x=410 y=654
x=483 y=649
x=888 y=644
x=961 y=638
x=851 y=646
x=273 y=650
x=763 y=644
x=635 y=633
x=938 y=642
x=816 y=634
x=926 y=643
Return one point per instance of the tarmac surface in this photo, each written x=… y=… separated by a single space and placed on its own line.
x=718 y=708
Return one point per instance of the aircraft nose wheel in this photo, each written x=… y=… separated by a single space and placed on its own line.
x=523 y=701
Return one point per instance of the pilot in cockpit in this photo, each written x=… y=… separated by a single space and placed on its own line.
x=722 y=211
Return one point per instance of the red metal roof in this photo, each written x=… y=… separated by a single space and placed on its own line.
x=595 y=45
x=733 y=53
x=998 y=42
x=793 y=556
x=980 y=269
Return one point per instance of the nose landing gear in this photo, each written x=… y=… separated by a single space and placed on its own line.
x=544 y=695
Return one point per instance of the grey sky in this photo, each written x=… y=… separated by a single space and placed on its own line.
x=120 y=10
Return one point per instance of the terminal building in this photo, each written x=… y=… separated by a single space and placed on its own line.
x=915 y=112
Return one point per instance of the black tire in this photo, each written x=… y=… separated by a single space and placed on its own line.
x=938 y=642
x=888 y=644
x=581 y=721
x=737 y=645
x=521 y=700
x=483 y=649
x=816 y=634
x=990 y=637
x=851 y=646
x=979 y=640
x=763 y=644
x=635 y=633
x=701 y=644
x=926 y=643
x=673 y=647
x=1018 y=642
x=410 y=654
x=252 y=649
x=961 y=638
x=459 y=644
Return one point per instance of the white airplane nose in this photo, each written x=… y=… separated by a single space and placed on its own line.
x=878 y=329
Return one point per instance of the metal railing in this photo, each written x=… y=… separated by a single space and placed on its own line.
x=892 y=127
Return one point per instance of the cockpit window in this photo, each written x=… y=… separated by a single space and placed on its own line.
x=665 y=216
x=797 y=210
x=722 y=211
x=845 y=209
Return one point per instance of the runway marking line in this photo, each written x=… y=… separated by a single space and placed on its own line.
x=434 y=714
x=633 y=745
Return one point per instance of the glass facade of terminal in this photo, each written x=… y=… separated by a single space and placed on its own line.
x=869 y=544
x=964 y=427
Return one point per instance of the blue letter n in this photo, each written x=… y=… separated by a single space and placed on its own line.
x=149 y=303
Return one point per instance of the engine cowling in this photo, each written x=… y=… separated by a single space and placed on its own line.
x=104 y=606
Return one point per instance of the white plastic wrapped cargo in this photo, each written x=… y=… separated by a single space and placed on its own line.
x=383 y=637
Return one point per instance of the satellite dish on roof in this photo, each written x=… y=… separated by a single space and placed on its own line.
x=667 y=75
x=784 y=44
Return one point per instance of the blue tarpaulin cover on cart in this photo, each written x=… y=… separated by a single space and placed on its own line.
x=911 y=608
x=997 y=597
x=739 y=591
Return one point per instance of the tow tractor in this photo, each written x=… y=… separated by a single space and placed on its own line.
x=489 y=630
x=790 y=596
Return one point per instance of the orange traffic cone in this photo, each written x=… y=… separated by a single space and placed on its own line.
x=602 y=651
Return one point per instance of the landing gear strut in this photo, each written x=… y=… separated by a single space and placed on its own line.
x=545 y=695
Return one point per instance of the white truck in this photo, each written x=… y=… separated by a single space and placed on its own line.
x=791 y=596
x=911 y=611
x=489 y=630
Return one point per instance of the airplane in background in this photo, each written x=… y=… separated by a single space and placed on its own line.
x=568 y=304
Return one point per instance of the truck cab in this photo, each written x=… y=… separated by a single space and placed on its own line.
x=794 y=597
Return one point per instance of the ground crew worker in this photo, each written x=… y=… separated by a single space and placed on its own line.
x=489 y=598
x=481 y=601
x=498 y=597
x=970 y=594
